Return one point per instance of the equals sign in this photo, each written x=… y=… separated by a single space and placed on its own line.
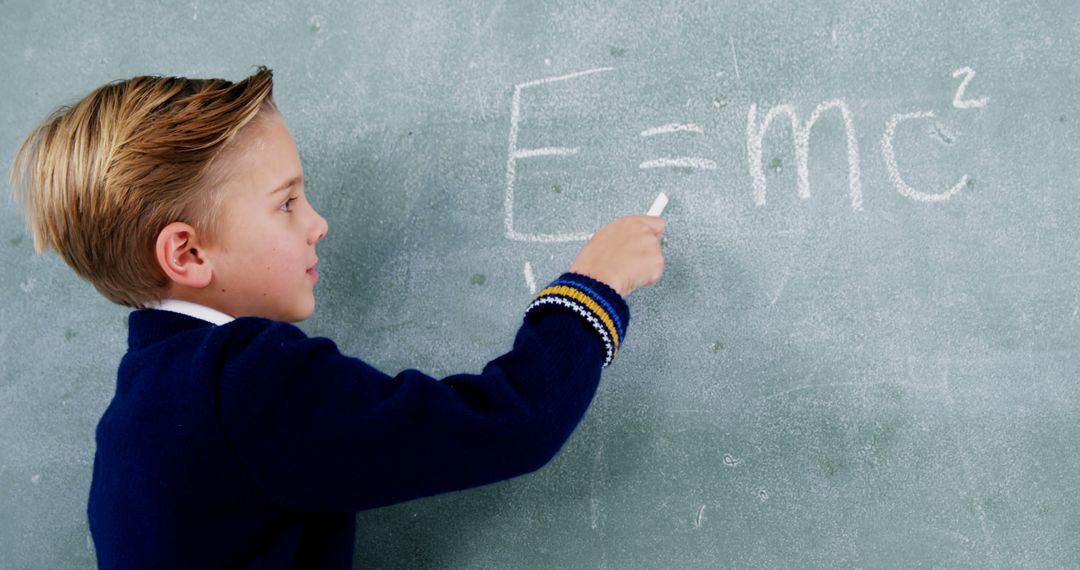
x=678 y=162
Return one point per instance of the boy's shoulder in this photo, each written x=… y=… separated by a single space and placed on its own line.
x=194 y=351
x=149 y=327
x=182 y=370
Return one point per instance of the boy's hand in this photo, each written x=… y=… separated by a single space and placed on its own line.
x=624 y=254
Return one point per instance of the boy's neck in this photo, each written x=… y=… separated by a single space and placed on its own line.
x=191 y=309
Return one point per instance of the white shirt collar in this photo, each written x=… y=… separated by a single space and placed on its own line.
x=201 y=312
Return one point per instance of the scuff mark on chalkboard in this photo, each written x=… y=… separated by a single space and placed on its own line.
x=940 y=133
x=780 y=288
x=832 y=466
x=776 y=165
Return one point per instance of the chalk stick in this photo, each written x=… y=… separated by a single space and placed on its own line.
x=658 y=205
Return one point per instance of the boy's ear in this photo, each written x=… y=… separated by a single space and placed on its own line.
x=180 y=258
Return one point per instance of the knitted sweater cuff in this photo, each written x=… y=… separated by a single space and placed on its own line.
x=598 y=304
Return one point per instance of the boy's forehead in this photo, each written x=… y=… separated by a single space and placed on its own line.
x=266 y=134
x=262 y=159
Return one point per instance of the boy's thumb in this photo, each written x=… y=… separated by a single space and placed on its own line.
x=656 y=224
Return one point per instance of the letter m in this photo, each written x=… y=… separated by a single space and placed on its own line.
x=756 y=132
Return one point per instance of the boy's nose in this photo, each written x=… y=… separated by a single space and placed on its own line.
x=319 y=229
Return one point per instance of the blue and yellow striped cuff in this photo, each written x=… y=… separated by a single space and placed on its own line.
x=598 y=304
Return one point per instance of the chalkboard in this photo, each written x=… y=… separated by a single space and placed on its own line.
x=863 y=352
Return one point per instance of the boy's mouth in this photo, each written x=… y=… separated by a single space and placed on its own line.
x=313 y=272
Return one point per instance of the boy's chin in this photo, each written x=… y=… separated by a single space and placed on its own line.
x=302 y=314
x=294 y=314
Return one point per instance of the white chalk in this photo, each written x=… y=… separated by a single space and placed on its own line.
x=658 y=205
x=958 y=101
x=889 y=154
x=530 y=279
x=672 y=128
x=515 y=154
x=755 y=135
x=683 y=162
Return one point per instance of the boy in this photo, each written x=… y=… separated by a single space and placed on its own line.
x=233 y=440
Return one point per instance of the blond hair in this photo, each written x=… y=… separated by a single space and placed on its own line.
x=98 y=180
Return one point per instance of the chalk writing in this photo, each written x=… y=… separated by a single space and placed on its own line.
x=681 y=162
x=756 y=133
x=757 y=127
x=672 y=128
x=546 y=151
x=958 y=101
x=515 y=154
x=530 y=278
x=889 y=155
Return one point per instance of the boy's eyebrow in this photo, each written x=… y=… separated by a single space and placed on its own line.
x=298 y=179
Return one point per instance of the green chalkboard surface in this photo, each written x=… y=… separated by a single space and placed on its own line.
x=865 y=351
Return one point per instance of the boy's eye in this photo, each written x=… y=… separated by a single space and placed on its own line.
x=285 y=205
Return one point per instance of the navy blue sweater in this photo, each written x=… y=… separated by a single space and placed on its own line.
x=251 y=445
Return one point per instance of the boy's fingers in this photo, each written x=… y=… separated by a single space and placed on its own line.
x=656 y=224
